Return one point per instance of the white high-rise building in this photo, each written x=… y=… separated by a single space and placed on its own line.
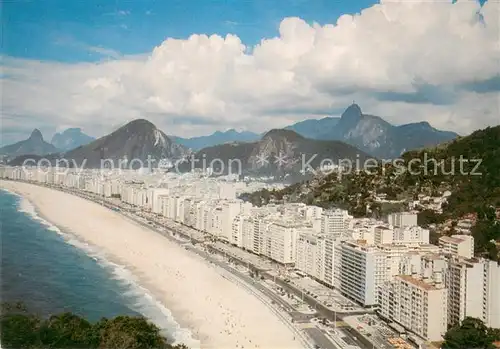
x=153 y=198
x=254 y=228
x=383 y=235
x=459 y=245
x=335 y=222
x=312 y=212
x=402 y=219
x=237 y=233
x=409 y=235
x=474 y=290
x=316 y=256
x=419 y=305
x=170 y=207
x=327 y=266
x=361 y=270
x=229 y=210
x=308 y=253
x=280 y=241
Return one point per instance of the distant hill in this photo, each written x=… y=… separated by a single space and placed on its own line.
x=197 y=143
x=136 y=140
x=34 y=145
x=315 y=128
x=471 y=187
x=469 y=191
x=71 y=138
x=369 y=133
x=373 y=134
x=279 y=153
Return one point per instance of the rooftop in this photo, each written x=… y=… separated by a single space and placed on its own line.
x=417 y=282
x=450 y=239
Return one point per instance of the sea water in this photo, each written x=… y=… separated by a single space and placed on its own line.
x=51 y=272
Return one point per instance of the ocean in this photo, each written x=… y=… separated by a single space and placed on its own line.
x=51 y=271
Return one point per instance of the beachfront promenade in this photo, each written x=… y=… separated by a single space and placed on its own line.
x=264 y=269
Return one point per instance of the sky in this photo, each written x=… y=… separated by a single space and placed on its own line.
x=196 y=66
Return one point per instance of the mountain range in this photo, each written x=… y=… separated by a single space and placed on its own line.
x=139 y=140
x=315 y=128
x=279 y=152
x=373 y=134
x=35 y=145
x=368 y=133
x=216 y=138
x=70 y=138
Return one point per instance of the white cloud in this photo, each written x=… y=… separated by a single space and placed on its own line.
x=405 y=61
x=68 y=40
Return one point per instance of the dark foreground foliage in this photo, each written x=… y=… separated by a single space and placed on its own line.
x=22 y=330
x=471 y=334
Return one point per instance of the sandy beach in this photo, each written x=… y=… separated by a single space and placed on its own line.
x=219 y=313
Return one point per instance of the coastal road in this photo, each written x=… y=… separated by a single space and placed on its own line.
x=320 y=338
x=351 y=333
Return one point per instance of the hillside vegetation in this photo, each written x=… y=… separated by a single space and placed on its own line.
x=22 y=330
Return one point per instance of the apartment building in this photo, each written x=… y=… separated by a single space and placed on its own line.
x=409 y=235
x=253 y=229
x=237 y=230
x=458 y=245
x=402 y=219
x=418 y=304
x=280 y=241
x=308 y=253
x=311 y=212
x=474 y=290
x=361 y=270
x=383 y=235
x=229 y=210
x=316 y=255
x=335 y=222
x=153 y=201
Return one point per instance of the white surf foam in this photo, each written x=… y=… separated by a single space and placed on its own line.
x=27 y=207
x=10 y=192
x=141 y=300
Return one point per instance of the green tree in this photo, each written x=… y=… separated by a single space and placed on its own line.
x=21 y=330
x=124 y=332
x=66 y=330
x=470 y=334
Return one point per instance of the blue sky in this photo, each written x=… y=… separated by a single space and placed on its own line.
x=87 y=30
x=406 y=61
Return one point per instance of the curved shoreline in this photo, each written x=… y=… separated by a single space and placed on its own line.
x=173 y=329
x=240 y=321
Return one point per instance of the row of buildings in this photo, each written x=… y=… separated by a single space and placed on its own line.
x=386 y=265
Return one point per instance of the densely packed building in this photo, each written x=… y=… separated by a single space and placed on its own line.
x=386 y=265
